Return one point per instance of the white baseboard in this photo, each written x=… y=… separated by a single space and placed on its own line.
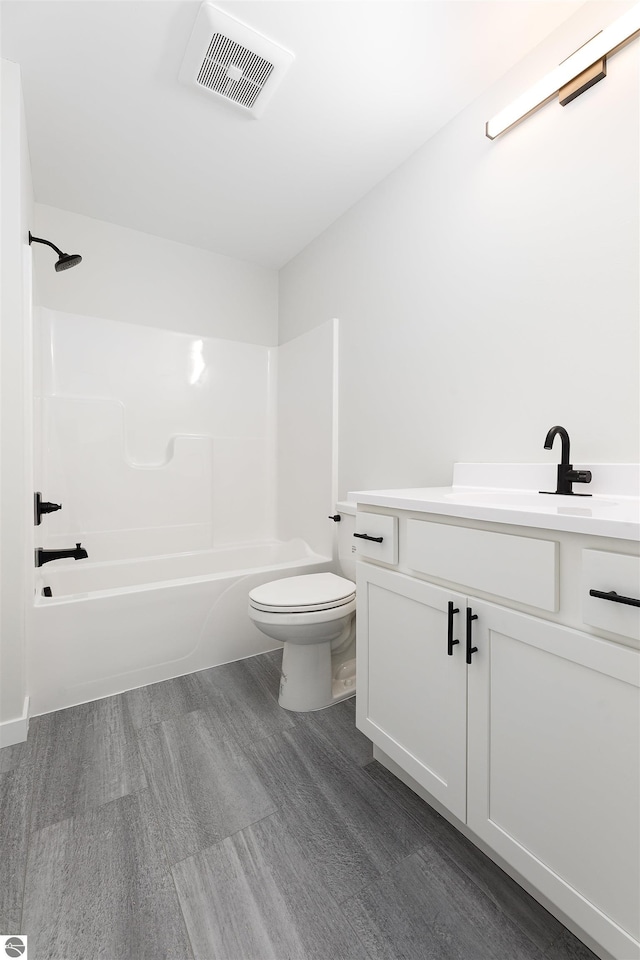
x=15 y=731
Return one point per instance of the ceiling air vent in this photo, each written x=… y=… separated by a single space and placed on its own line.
x=231 y=61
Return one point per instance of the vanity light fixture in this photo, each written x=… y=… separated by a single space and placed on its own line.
x=574 y=75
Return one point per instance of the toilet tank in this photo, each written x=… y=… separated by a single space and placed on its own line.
x=346 y=544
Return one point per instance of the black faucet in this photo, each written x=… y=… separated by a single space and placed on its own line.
x=44 y=556
x=567 y=476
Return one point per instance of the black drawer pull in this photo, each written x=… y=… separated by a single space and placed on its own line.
x=614 y=597
x=470 y=650
x=450 y=641
x=365 y=536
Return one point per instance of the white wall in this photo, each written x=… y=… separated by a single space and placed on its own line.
x=134 y=277
x=488 y=290
x=16 y=498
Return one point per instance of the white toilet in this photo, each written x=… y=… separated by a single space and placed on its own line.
x=314 y=616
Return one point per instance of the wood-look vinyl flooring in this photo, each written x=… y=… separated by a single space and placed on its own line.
x=195 y=819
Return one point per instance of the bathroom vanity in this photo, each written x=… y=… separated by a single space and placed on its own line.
x=501 y=689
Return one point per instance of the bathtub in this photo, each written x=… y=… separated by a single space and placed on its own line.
x=109 y=627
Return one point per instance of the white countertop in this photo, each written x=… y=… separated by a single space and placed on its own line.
x=509 y=493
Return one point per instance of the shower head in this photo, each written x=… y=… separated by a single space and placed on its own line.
x=65 y=260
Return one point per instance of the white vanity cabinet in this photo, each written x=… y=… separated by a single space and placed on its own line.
x=534 y=744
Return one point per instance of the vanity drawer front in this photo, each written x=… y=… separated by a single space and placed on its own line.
x=606 y=572
x=516 y=568
x=376 y=525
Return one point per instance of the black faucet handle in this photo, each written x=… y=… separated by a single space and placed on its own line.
x=579 y=476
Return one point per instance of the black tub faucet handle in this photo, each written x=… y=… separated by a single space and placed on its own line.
x=41 y=506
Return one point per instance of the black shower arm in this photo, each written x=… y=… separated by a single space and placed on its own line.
x=33 y=239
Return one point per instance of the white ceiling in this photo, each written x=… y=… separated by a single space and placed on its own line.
x=114 y=136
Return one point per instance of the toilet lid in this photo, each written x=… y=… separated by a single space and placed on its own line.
x=316 y=591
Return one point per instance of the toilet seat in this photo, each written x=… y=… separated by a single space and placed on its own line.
x=306 y=594
x=308 y=608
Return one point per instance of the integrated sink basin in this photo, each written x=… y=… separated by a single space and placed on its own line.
x=527 y=500
x=508 y=493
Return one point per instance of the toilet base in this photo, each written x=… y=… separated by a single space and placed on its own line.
x=307 y=682
x=341 y=690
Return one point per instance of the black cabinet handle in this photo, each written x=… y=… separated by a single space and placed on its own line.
x=365 y=536
x=450 y=641
x=336 y=518
x=470 y=650
x=614 y=597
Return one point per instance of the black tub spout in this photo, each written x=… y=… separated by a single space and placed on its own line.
x=44 y=556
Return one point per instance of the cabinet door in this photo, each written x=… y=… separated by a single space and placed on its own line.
x=411 y=698
x=553 y=774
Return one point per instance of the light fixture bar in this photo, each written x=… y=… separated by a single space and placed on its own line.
x=607 y=41
x=588 y=78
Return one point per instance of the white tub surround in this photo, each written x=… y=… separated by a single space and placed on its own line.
x=510 y=493
x=499 y=676
x=112 y=626
x=155 y=442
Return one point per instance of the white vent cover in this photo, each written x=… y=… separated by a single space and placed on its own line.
x=231 y=61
